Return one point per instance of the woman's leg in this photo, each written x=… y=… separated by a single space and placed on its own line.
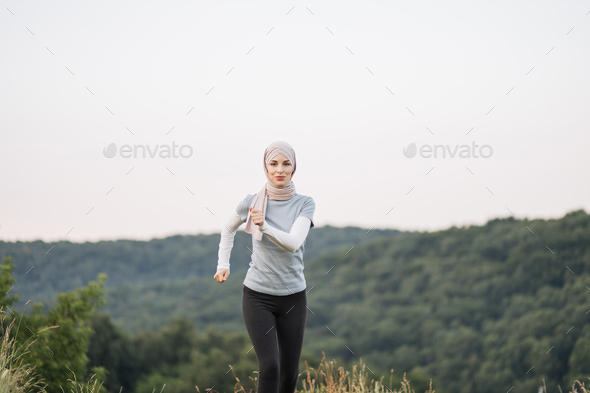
x=258 y=310
x=290 y=320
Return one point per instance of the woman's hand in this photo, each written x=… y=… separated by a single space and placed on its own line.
x=257 y=216
x=221 y=275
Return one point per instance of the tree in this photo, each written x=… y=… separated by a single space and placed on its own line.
x=61 y=335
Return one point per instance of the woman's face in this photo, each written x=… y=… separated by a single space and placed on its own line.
x=279 y=170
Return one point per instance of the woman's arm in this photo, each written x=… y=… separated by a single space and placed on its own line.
x=227 y=240
x=288 y=241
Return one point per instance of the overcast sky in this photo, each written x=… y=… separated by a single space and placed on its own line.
x=349 y=85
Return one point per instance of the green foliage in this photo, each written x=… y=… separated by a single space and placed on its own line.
x=478 y=309
x=112 y=349
x=16 y=377
x=177 y=356
x=140 y=262
x=61 y=335
x=6 y=282
x=579 y=360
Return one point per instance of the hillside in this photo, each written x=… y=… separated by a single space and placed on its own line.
x=476 y=307
x=62 y=266
x=479 y=308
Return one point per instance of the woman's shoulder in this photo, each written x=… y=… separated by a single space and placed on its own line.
x=306 y=198
x=247 y=201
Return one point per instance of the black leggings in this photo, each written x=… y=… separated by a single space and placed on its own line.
x=268 y=317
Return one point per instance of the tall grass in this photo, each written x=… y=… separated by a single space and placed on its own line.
x=574 y=389
x=14 y=375
x=329 y=378
x=84 y=387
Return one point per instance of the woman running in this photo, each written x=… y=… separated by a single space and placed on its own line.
x=274 y=302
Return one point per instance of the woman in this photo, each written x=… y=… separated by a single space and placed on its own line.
x=274 y=302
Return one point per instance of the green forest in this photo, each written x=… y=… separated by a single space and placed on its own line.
x=491 y=308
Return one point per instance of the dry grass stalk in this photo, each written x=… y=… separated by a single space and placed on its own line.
x=16 y=377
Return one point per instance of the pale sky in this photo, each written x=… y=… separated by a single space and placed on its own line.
x=348 y=84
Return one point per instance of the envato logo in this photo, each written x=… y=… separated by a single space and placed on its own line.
x=165 y=151
x=467 y=151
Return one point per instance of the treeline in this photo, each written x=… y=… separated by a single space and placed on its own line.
x=158 y=261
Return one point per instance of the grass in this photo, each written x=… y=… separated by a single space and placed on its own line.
x=16 y=377
x=329 y=378
x=84 y=387
x=332 y=379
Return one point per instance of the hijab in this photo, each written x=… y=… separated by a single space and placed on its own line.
x=269 y=190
